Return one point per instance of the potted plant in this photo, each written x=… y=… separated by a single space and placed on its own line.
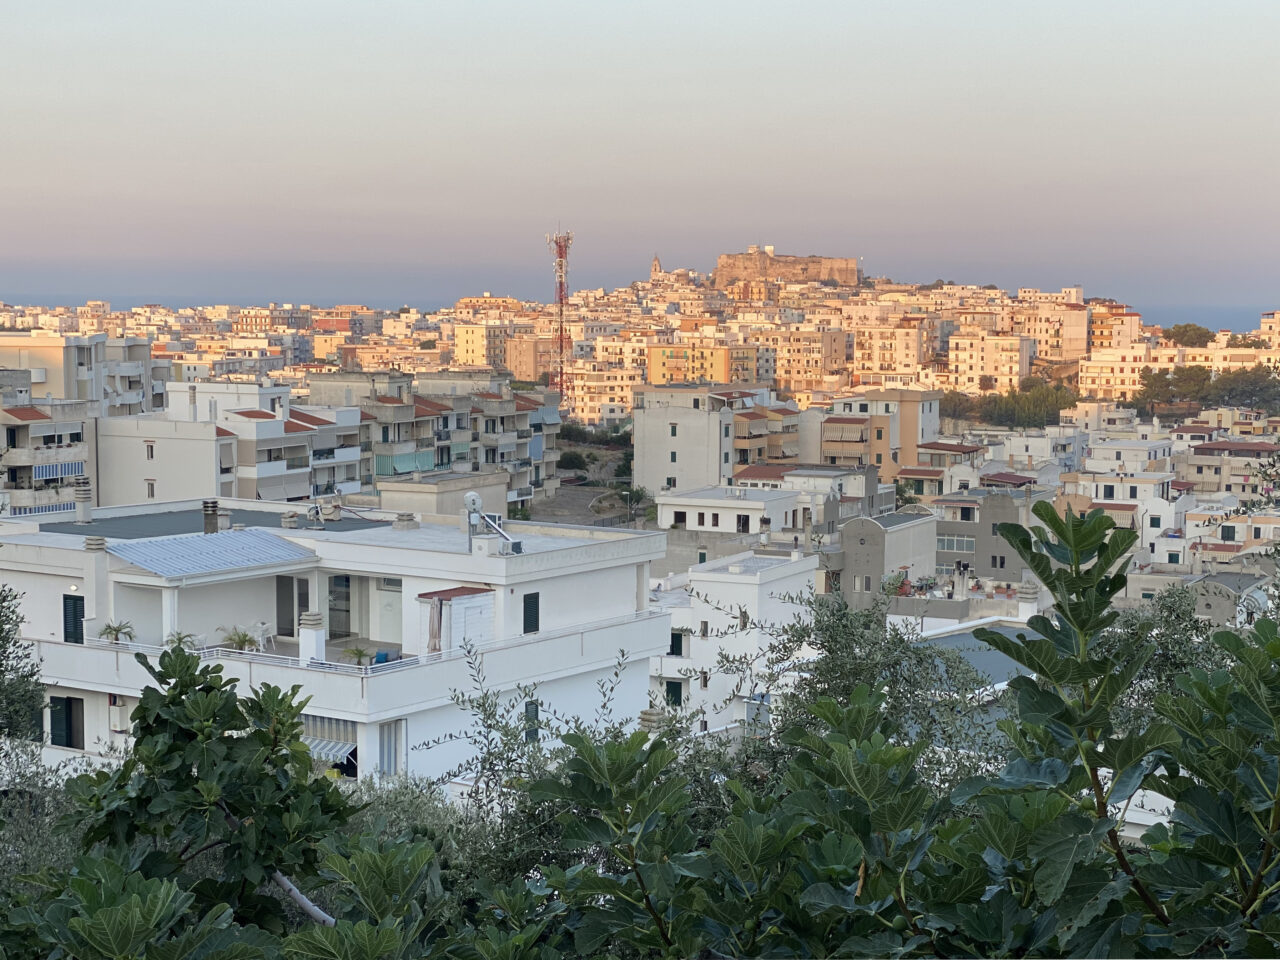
x=117 y=632
x=180 y=639
x=358 y=654
x=238 y=638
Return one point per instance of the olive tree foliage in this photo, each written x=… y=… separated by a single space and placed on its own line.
x=829 y=649
x=853 y=850
x=22 y=695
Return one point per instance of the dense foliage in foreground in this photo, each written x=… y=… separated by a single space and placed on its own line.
x=213 y=841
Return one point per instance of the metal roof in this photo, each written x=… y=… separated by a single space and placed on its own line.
x=196 y=553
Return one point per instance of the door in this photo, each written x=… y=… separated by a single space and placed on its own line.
x=340 y=606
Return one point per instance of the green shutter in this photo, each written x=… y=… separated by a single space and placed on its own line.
x=531 y=613
x=72 y=618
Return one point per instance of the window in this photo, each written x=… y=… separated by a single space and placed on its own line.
x=744 y=523
x=675 y=693
x=1199 y=469
x=993 y=560
x=866 y=584
x=671 y=483
x=966 y=514
x=703 y=726
x=1108 y=491
x=957 y=544
x=726 y=456
x=1154 y=523
x=726 y=431
x=1133 y=493
x=1227 y=533
x=677 y=644
x=151 y=489
x=879 y=459
x=151 y=450
x=673 y=429
x=66 y=722
x=1257 y=533
x=72 y=618
x=1001 y=563
x=531 y=721
x=697 y=404
x=879 y=433
x=715 y=519
x=1175 y=557
x=390 y=584
x=995 y=529
x=673 y=456
x=531 y=611
x=702 y=521
x=702 y=628
x=704 y=680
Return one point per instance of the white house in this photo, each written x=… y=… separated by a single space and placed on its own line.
x=727 y=604
x=729 y=509
x=368 y=612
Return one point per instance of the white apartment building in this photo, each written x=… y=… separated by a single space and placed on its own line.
x=369 y=615
x=708 y=607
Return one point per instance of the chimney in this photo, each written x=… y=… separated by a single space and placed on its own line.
x=224 y=518
x=311 y=638
x=84 y=500
x=404 y=521
x=210 y=509
x=191 y=401
x=289 y=521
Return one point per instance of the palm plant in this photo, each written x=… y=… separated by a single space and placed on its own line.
x=180 y=639
x=117 y=631
x=358 y=654
x=238 y=638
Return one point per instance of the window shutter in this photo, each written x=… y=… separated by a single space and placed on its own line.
x=72 y=618
x=531 y=608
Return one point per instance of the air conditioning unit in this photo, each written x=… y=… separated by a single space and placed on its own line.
x=117 y=713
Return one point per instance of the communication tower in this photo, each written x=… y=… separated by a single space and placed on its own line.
x=559 y=243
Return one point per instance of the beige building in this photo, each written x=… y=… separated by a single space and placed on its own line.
x=117 y=376
x=980 y=362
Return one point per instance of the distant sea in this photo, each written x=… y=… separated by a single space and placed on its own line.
x=1214 y=317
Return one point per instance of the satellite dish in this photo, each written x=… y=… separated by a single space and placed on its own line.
x=471 y=500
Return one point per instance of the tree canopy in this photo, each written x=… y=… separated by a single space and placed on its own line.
x=215 y=841
x=1035 y=404
x=1189 y=335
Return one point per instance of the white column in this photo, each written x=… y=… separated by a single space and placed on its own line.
x=168 y=611
x=367 y=749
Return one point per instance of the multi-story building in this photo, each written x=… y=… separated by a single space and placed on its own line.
x=804 y=360
x=1226 y=466
x=375 y=617
x=685 y=436
x=117 y=376
x=44 y=455
x=700 y=362
x=881 y=427
x=979 y=362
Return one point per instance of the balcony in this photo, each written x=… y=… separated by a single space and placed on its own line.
x=320 y=456
x=519 y=493
x=443 y=436
x=342 y=689
x=27 y=497
x=45 y=453
x=525 y=433
x=498 y=438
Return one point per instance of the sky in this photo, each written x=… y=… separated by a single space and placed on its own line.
x=411 y=152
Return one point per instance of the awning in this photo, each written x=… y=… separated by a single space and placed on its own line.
x=328 y=751
x=271 y=488
x=790 y=448
x=296 y=486
x=226 y=454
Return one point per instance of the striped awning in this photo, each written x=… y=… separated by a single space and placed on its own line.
x=328 y=751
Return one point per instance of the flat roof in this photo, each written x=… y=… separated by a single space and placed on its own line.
x=755 y=563
x=191 y=520
x=729 y=495
x=888 y=520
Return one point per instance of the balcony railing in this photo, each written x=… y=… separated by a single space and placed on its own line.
x=298 y=463
x=322 y=454
x=524 y=434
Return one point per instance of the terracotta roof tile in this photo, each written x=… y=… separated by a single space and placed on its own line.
x=310 y=418
x=26 y=413
x=255 y=414
x=222 y=432
x=292 y=427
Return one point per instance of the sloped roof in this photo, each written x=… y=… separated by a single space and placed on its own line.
x=309 y=418
x=764 y=471
x=452 y=593
x=1012 y=479
x=291 y=427
x=924 y=473
x=222 y=432
x=26 y=413
x=195 y=553
x=256 y=414
x=948 y=447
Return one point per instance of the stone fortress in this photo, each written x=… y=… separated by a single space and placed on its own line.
x=760 y=263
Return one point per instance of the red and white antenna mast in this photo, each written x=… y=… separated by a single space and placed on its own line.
x=559 y=244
